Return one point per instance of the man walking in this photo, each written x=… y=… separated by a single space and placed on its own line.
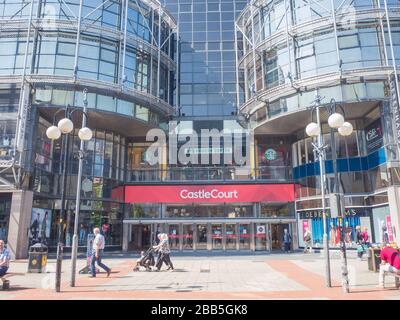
x=97 y=253
x=287 y=239
x=4 y=259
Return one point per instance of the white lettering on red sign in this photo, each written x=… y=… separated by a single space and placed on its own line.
x=213 y=194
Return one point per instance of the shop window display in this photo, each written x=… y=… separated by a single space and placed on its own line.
x=334 y=229
x=5 y=206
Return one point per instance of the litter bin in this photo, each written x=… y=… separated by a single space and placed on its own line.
x=374 y=259
x=37 y=258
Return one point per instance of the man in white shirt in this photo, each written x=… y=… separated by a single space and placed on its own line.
x=97 y=253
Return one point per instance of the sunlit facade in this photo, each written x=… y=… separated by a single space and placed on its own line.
x=124 y=53
x=289 y=52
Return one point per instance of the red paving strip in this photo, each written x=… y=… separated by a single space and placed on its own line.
x=88 y=288
x=316 y=284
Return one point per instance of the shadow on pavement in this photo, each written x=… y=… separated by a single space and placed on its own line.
x=16 y=288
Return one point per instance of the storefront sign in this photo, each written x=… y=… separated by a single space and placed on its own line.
x=374 y=136
x=208 y=150
x=210 y=194
x=260 y=229
x=394 y=99
x=39 y=230
x=314 y=214
x=389 y=228
x=270 y=154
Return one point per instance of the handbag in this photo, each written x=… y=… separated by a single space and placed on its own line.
x=360 y=248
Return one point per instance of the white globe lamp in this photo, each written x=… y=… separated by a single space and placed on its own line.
x=65 y=125
x=313 y=129
x=335 y=120
x=346 y=129
x=53 y=133
x=85 y=134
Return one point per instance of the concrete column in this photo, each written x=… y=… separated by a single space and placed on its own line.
x=209 y=237
x=295 y=236
x=224 y=236
x=394 y=208
x=20 y=218
x=125 y=237
x=252 y=232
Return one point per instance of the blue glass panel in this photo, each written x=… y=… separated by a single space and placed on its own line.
x=355 y=164
x=310 y=170
x=329 y=166
x=364 y=163
x=342 y=165
x=296 y=173
x=302 y=170
x=317 y=168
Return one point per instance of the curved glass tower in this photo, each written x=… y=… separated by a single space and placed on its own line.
x=123 y=52
x=291 y=51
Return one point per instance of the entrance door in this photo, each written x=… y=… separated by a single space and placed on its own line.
x=187 y=237
x=230 y=237
x=216 y=236
x=201 y=237
x=260 y=236
x=277 y=235
x=140 y=237
x=244 y=236
x=173 y=235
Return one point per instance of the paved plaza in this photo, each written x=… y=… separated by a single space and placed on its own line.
x=202 y=276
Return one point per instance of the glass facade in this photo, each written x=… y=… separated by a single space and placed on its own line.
x=207 y=61
x=292 y=51
x=125 y=56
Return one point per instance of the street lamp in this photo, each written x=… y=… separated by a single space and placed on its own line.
x=85 y=134
x=63 y=129
x=335 y=121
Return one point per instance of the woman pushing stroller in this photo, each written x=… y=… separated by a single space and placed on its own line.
x=163 y=252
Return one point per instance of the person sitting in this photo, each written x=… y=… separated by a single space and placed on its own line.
x=4 y=259
x=390 y=262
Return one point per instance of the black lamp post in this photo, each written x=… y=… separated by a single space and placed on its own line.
x=335 y=121
x=64 y=127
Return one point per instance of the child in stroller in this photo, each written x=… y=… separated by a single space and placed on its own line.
x=146 y=260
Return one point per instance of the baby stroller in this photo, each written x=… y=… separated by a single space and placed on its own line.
x=147 y=260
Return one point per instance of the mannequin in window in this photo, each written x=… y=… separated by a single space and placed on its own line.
x=385 y=236
x=348 y=231
x=82 y=234
x=6 y=140
x=337 y=235
x=332 y=235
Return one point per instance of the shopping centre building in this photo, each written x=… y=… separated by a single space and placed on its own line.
x=179 y=67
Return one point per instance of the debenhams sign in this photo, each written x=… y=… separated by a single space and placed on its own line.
x=312 y=214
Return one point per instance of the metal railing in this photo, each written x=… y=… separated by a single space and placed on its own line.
x=270 y=173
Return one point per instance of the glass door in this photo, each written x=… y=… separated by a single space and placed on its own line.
x=230 y=237
x=173 y=234
x=187 y=237
x=201 y=237
x=216 y=236
x=244 y=236
x=260 y=237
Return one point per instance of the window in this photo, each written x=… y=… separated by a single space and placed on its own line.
x=349 y=41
